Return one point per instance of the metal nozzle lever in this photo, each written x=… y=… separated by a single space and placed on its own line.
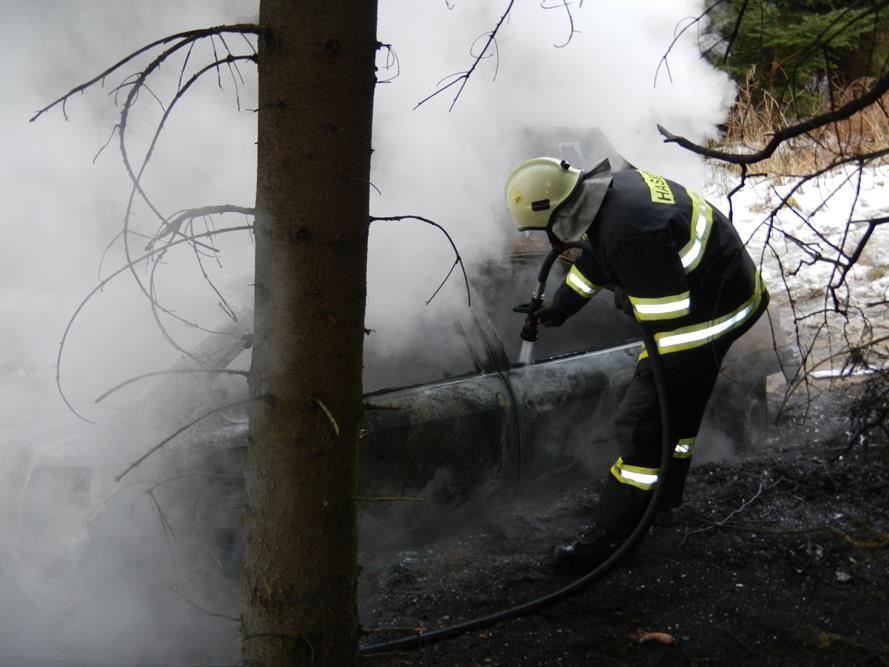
x=529 y=329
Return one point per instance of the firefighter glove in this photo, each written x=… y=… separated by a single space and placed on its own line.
x=548 y=315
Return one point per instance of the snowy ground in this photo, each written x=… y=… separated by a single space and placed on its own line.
x=800 y=261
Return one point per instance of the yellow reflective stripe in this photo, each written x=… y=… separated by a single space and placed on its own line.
x=696 y=335
x=641 y=478
x=685 y=448
x=701 y=223
x=579 y=283
x=661 y=308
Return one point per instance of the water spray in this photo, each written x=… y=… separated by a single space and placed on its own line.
x=529 y=335
x=529 y=329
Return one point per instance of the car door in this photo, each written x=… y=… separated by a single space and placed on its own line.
x=439 y=423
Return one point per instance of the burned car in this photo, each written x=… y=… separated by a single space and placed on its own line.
x=450 y=416
x=445 y=419
x=492 y=423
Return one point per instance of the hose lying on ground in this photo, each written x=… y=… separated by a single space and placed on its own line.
x=632 y=541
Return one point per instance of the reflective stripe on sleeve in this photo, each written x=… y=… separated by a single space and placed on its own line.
x=641 y=478
x=580 y=284
x=695 y=335
x=663 y=308
x=701 y=222
x=685 y=448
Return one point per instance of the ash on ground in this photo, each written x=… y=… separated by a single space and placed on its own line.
x=778 y=557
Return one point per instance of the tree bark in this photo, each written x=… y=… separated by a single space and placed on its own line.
x=316 y=86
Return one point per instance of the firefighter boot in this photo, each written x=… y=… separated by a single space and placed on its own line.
x=592 y=546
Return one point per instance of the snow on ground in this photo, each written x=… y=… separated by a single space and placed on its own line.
x=799 y=250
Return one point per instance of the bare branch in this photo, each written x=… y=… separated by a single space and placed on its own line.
x=460 y=80
x=178 y=41
x=391 y=62
x=742 y=12
x=98 y=288
x=566 y=5
x=181 y=430
x=194 y=604
x=136 y=177
x=175 y=371
x=763 y=486
x=870 y=97
x=187 y=37
x=691 y=21
x=458 y=260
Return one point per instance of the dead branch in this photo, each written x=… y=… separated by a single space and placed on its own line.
x=135 y=85
x=136 y=177
x=462 y=78
x=201 y=609
x=181 y=430
x=691 y=21
x=880 y=87
x=166 y=526
x=330 y=418
x=172 y=225
x=155 y=484
x=566 y=5
x=391 y=62
x=98 y=288
x=735 y=30
x=188 y=37
x=458 y=259
x=175 y=371
x=763 y=486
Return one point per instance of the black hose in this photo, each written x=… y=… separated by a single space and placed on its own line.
x=632 y=541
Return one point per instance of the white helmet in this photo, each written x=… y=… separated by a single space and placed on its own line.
x=536 y=187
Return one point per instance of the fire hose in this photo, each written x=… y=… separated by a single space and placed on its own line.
x=529 y=335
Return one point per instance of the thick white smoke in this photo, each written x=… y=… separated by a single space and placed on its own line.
x=450 y=163
x=61 y=210
x=72 y=587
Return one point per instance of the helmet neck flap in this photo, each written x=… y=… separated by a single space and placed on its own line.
x=571 y=219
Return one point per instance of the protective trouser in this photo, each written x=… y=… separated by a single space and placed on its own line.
x=690 y=377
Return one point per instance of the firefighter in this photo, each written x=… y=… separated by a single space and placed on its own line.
x=675 y=264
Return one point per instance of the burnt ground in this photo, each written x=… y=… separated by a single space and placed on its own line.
x=779 y=557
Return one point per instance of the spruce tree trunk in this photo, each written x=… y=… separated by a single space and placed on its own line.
x=316 y=85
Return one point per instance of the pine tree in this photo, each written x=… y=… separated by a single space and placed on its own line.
x=799 y=52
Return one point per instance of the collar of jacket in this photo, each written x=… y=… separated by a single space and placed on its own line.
x=574 y=216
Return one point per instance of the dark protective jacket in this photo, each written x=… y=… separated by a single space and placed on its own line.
x=681 y=262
